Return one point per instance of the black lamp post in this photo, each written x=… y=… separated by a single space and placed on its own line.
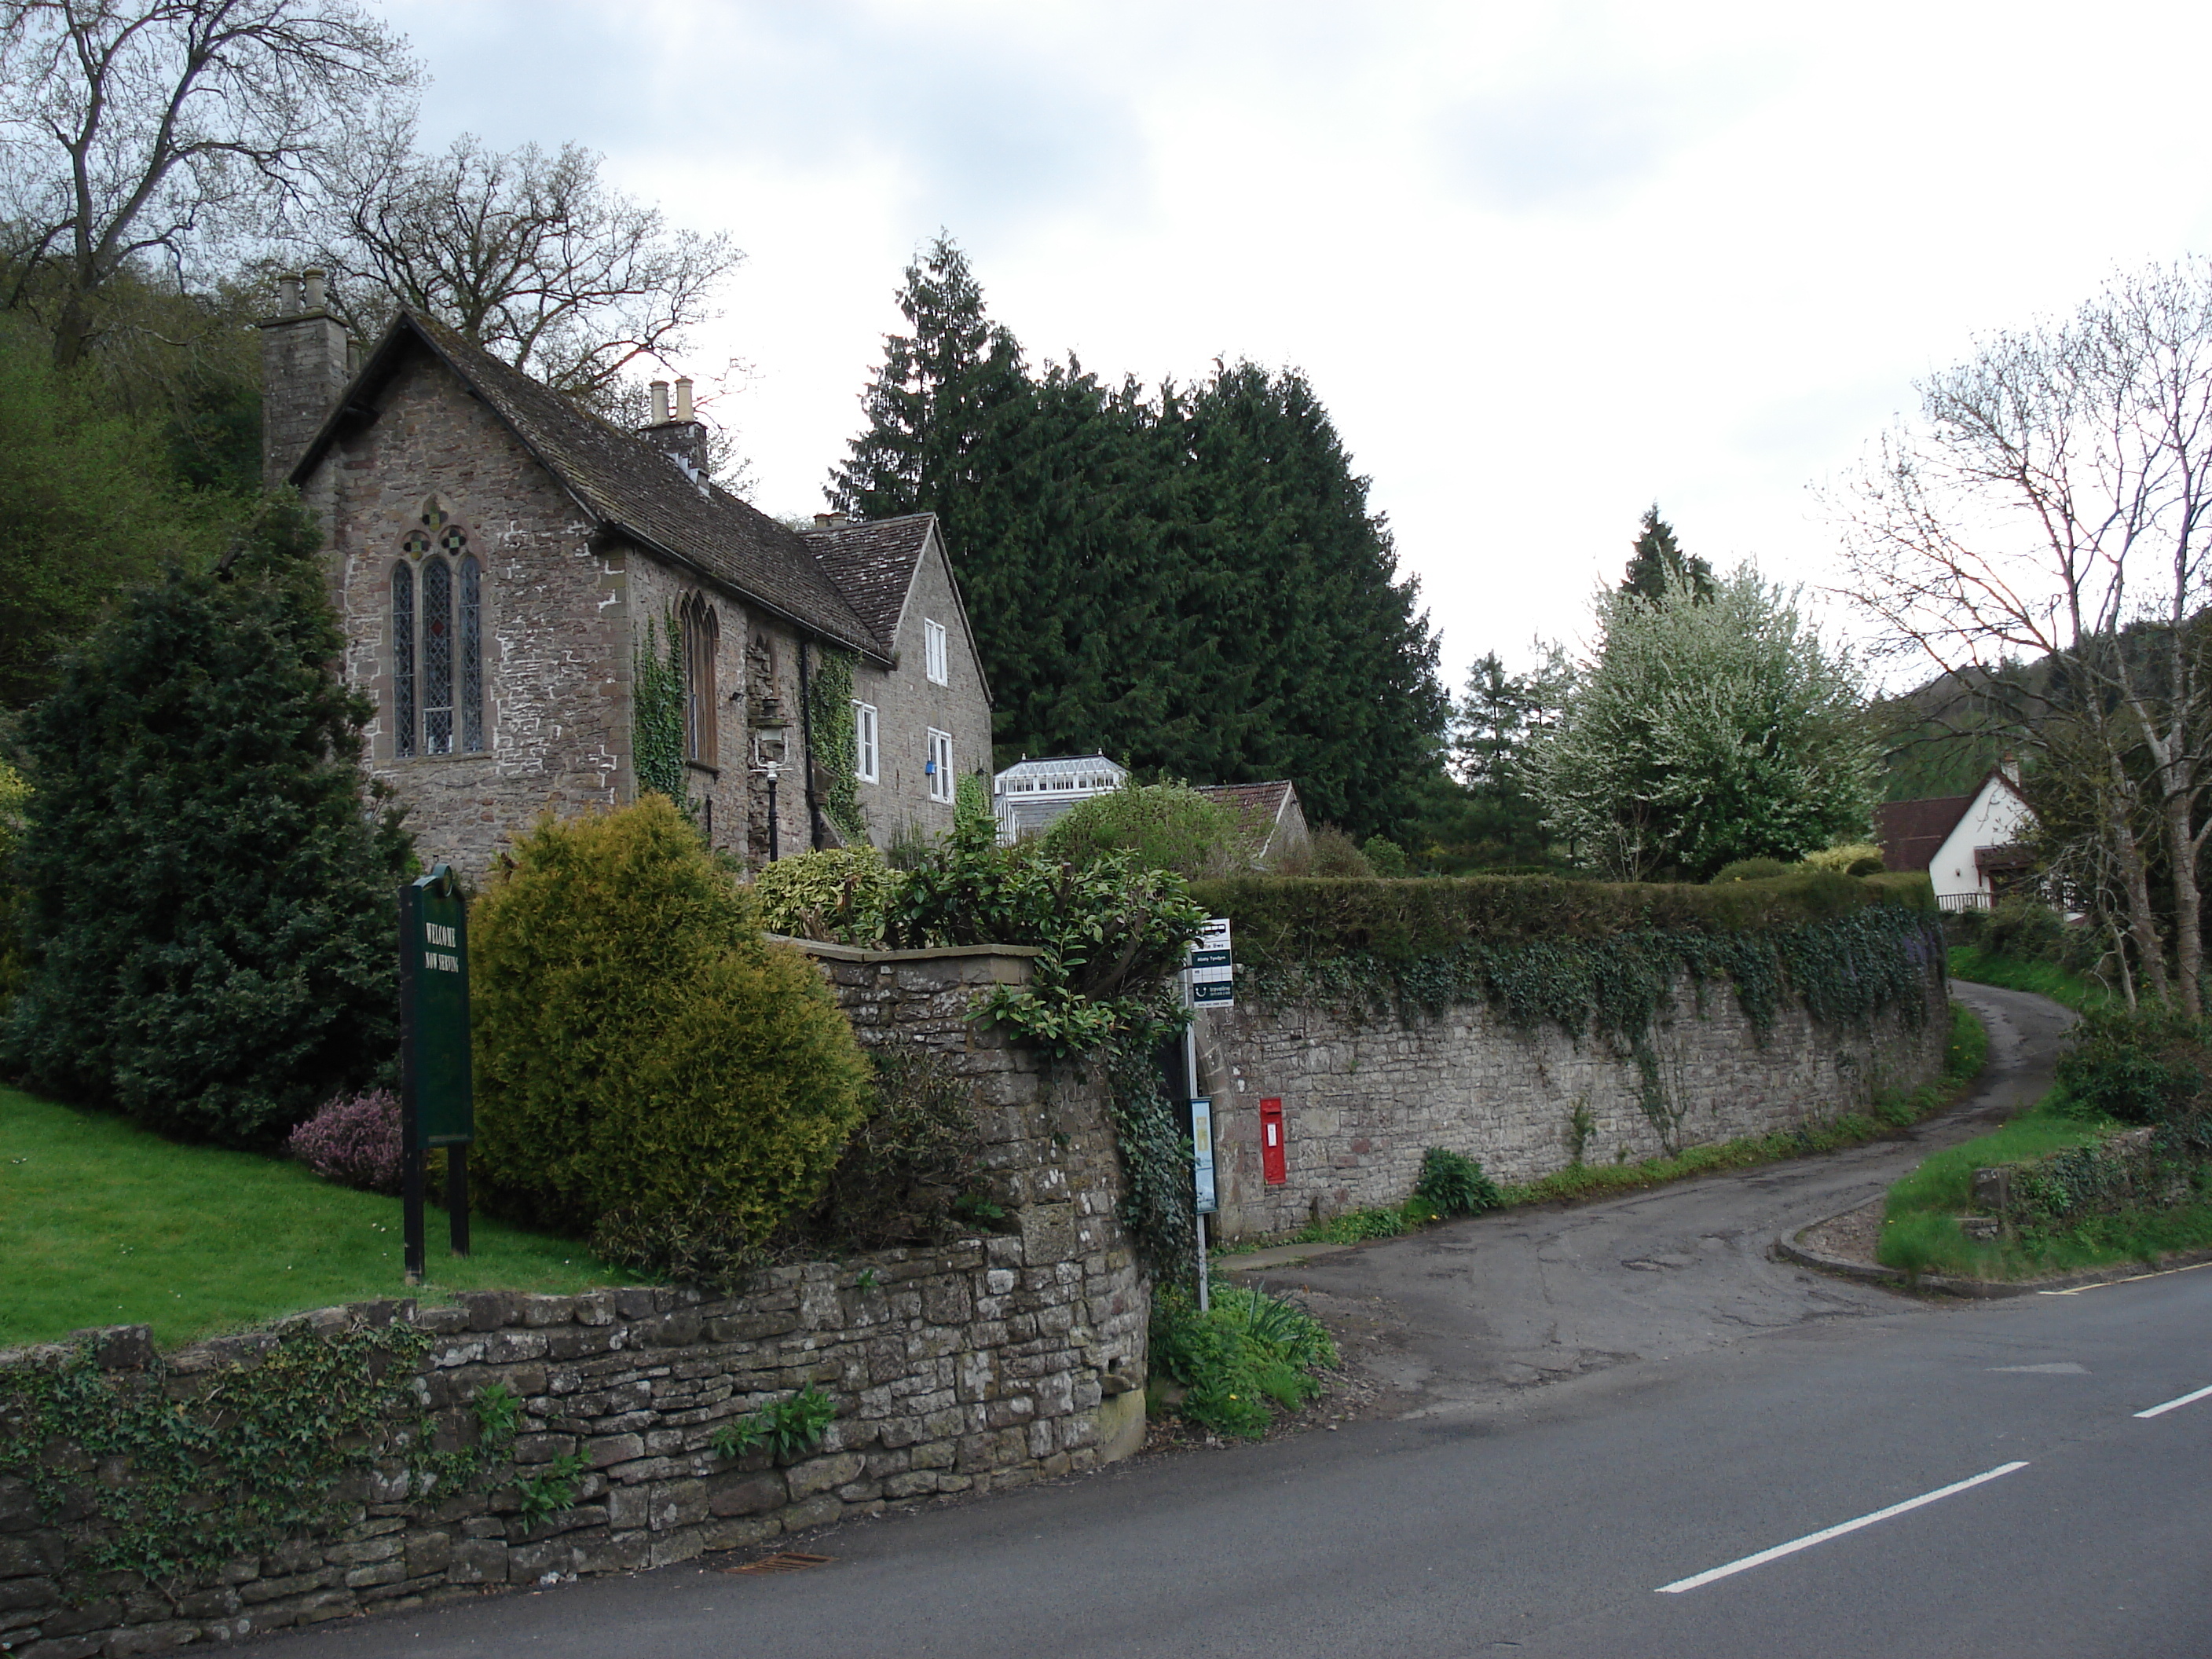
x=770 y=739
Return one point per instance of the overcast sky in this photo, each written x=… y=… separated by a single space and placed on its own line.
x=1545 y=264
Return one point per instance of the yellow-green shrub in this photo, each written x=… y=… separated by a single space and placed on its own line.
x=638 y=1046
x=1859 y=857
x=837 y=893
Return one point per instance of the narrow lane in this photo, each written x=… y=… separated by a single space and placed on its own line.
x=1468 y=1311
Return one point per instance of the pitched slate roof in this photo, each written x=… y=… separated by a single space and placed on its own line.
x=625 y=483
x=1264 y=801
x=874 y=565
x=1911 y=832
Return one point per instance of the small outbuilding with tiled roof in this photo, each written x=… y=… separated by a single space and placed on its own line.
x=551 y=613
x=1274 y=812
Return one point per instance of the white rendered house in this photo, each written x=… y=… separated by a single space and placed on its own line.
x=1970 y=845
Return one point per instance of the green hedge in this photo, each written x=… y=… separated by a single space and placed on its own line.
x=1583 y=955
x=1281 y=920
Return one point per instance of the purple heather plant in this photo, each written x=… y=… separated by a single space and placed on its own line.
x=353 y=1140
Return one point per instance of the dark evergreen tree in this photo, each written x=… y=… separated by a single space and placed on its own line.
x=1191 y=582
x=1657 y=558
x=208 y=910
x=1317 y=664
x=1481 y=814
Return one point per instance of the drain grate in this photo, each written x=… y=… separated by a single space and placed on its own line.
x=784 y=1561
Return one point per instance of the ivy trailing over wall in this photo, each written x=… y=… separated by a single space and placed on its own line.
x=253 y=1455
x=831 y=718
x=657 y=710
x=1156 y=1207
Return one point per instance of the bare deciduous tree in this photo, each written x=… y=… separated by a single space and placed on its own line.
x=2051 y=505
x=527 y=252
x=136 y=129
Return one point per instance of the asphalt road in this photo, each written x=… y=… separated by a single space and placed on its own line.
x=1470 y=1310
x=1511 y=1516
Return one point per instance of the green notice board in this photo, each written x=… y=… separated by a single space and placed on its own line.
x=434 y=1012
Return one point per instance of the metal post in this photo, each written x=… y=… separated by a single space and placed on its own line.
x=1190 y=1088
x=457 y=1198
x=411 y=1201
x=774 y=852
x=410 y=1155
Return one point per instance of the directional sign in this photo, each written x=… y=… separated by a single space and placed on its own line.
x=1211 y=968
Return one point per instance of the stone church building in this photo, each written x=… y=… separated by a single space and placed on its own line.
x=504 y=564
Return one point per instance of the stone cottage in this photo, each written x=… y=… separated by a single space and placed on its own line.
x=506 y=563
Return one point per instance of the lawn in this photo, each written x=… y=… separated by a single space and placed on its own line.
x=2046 y=979
x=1920 y=1226
x=104 y=1223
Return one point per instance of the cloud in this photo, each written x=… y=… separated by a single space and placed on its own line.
x=1579 y=147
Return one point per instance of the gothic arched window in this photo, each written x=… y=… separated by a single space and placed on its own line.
x=437 y=641
x=701 y=633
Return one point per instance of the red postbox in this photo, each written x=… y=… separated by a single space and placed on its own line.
x=1273 y=1163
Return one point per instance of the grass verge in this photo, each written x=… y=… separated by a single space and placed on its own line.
x=1964 y=1055
x=1920 y=1221
x=102 y=1223
x=2045 y=978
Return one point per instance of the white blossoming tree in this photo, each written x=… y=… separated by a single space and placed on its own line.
x=1706 y=729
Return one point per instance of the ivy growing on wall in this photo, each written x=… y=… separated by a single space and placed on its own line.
x=252 y=1457
x=1156 y=1205
x=829 y=717
x=657 y=710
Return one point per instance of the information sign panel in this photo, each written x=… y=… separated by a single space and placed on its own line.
x=1212 y=969
x=433 y=993
x=1201 y=1149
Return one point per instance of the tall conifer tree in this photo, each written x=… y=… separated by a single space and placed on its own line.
x=1657 y=556
x=1191 y=582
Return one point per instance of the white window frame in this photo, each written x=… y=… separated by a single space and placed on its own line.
x=864 y=741
x=936 y=658
x=938 y=765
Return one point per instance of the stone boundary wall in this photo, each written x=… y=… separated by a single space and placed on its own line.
x=1363 y=1098
x=989 y=1363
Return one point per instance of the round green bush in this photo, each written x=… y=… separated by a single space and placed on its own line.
x=1387 y=857
x=638 y=1046
x=1168 y=826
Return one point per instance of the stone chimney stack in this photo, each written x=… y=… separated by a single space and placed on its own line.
x=304 y=367
x=681 y=433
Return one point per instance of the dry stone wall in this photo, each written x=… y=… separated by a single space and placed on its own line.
x=1364 y=1097
x=988 y=1364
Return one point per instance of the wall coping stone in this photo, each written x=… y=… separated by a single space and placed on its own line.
x=935 y=953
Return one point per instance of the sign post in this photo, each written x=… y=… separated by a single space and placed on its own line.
x=1209 y=982
x=1201 y=1146
x=437 y=1103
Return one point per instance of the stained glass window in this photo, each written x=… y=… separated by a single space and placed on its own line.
x=471 y=621
x=424 y=696
x=403 y=659
x=437 y=657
